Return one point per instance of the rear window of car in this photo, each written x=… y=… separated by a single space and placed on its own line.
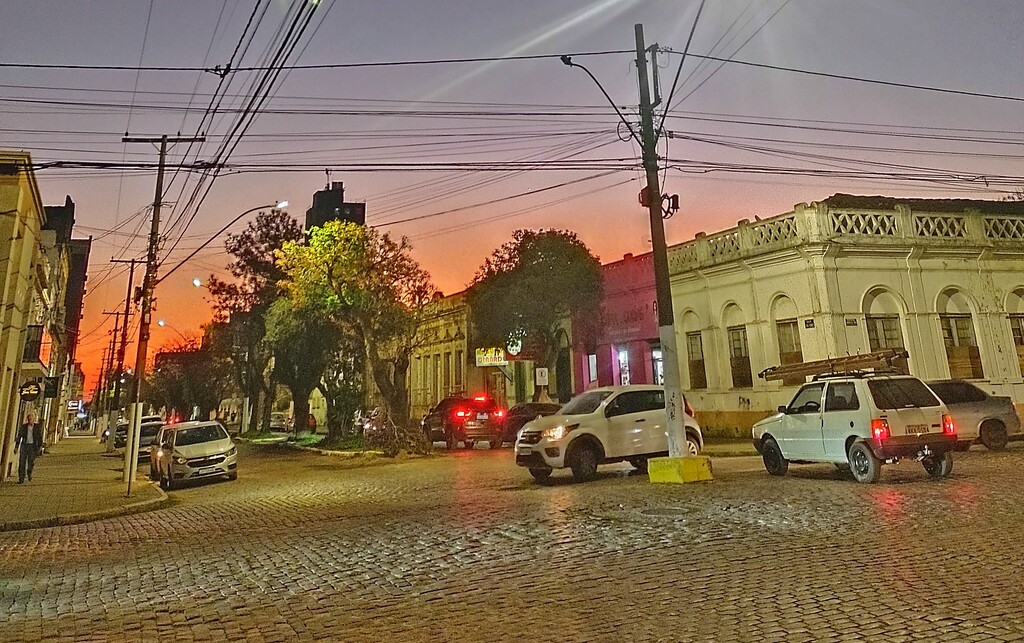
x=199 y=434
x=957 y=392
x=901 y=393
x=487 y=404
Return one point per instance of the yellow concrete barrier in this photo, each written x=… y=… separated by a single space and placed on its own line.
x=680 y=470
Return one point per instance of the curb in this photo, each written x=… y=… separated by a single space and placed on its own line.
x=77 y=519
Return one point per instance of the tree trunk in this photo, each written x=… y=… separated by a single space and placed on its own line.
x=300 y=400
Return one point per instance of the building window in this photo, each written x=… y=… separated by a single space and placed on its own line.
x=658 y=362
x=1017 y=328
x=695 y=360
x=460 y=360
x=788 y=332
x=623 y=367
x=447 y=373
x=739 y=358
x=884 y=332
x=591 y=368
x=962 y=352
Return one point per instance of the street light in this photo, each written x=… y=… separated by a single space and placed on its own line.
x=280 y=205
x=197 y=282
x=162 y=323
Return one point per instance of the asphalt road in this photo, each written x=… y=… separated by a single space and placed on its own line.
x=466 y=547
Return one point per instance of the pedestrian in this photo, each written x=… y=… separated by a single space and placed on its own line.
x=29 y=439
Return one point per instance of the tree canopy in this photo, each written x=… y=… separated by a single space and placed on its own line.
x=368 y=282
x=530 y=285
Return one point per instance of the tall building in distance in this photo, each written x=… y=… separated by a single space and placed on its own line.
x=329 y=205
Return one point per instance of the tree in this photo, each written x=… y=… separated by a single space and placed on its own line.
x=187 y=377
x=242 y=303
x=303 y=344
x=342 y=386
x=530 y=286
x=370 y=285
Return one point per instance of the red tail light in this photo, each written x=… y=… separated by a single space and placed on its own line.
x=880 y=429
x=461 y=413
x=500 y=413
x=480 y=398
x=947 y=424
x=687 y=408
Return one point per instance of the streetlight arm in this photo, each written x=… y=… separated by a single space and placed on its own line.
x=211 y=240
x=567 y=61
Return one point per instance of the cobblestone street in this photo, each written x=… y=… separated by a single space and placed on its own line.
x=466 y=547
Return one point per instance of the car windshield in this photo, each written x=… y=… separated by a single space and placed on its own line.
x=149 y=430
x=584 y=403
x=198 y=434
x=901 y=393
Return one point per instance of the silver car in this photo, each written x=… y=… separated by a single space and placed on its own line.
x=989 y=419
x=194 y=450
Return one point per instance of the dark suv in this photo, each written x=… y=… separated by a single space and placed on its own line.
x=520 y=414
x=466 y=420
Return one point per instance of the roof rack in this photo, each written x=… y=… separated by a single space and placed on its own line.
x=851 y=364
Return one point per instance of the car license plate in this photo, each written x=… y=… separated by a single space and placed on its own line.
x=524 y=450
x=481 y=416
x=917 y=429
x=206 y=470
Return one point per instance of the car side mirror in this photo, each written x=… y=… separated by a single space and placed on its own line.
x=783 y=409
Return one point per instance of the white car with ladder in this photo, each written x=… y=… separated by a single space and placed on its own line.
x=858 y=418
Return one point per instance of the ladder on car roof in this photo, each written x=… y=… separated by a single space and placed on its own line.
x=875 y=360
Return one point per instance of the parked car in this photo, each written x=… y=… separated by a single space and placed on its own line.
x=860 y=420
x=520 y=414
x=467 y=420
x=194 y=450
x=978 y=416
x=121 y=433
x=279 y=422
x=147 y=437
x=603 y=425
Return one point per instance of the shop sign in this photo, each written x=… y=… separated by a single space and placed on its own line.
x=491 y=357
x=30 y=391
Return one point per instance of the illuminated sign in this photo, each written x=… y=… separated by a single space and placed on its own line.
x=491 y=357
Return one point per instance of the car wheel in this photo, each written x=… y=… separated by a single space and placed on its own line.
x=233 y=475
x=450 y=442
x=939 y=466
x=583 y=462
x=775 y=463
x=692 y=446
x=496 y=443
x=993 y=435
x=469 y=444
x=640 y=464
x=864 y=466
x=540 y=474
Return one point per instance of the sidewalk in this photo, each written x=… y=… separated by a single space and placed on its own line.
x=727 y=447
x=75 y=481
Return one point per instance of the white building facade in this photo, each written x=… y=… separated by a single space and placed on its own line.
x=942 y=278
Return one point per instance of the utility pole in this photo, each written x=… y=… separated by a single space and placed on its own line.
x=111 y=414
x=677 y=447
x=122 y=345
x=146 y=309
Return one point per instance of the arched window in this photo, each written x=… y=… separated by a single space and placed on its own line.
x=962 y=351
x=695 y=367
x=739 y=351
x=787 y=332
x=1015 y=308
x=882 y=316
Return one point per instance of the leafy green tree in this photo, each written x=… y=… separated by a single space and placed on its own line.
x=370 y=285
x=530 y=286
x=303 y=343
x=187 y=376
x=242 y=303
x=342 y=387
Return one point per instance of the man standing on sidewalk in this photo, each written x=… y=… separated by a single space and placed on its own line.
x=29 y=439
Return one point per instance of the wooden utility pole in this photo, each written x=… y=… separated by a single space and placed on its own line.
x=123 y=342
x=146 y=308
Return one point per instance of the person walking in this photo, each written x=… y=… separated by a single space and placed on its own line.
x=29 y=439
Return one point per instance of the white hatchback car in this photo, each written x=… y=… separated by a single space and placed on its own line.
x=194 y=450
x=860 y=421
x=603 y=425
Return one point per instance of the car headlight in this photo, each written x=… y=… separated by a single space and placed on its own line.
x=556 y=433
x=180 y=460
x=232 y=451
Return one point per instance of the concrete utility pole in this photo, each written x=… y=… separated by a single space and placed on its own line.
x=146 y=309
x=670 y=469
x=106 y=410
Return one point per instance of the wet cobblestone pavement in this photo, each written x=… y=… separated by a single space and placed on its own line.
x=466 y=547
